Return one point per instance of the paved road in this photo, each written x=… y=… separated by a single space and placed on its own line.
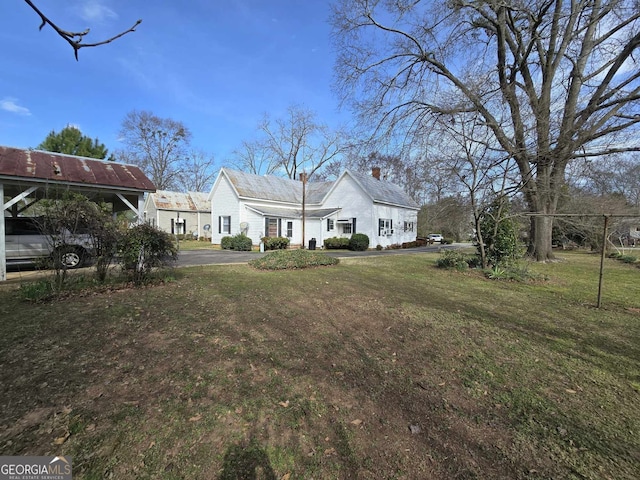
x=217 y=257
x=189 y=258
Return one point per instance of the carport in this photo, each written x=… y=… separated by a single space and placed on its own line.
x=27 y=176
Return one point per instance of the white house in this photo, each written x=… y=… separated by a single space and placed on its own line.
x=179 y=213
x=302 y=211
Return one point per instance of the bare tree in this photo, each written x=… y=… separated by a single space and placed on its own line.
x=75 y=39
x=295 y=144
x=157 y=145
x=197 y=172
x=553 y=80
x=254 y=157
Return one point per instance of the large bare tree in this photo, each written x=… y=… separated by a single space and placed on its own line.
x=293 y=144
x=553 y=80
x=157 y=145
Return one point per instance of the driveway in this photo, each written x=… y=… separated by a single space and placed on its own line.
x=218 y=257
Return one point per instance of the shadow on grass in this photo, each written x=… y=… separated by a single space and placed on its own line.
x=246 y=462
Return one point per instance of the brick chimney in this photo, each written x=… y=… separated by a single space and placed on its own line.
x=375 y=171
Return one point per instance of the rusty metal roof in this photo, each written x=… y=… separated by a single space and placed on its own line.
x=181 y=201
x=39 y=166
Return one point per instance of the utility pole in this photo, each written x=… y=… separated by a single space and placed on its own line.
x=303 y=178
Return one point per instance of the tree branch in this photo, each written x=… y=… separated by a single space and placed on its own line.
x=75 y=38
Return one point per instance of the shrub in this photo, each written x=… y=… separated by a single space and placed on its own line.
x=336 y=243
x=446 y=241
x=515 y=271
x=292 y=260
x=38 y=291
x=453 y=259
x=143 y=248
x=275 y=243
x=628 y=259
x=238 y=242
x=499 y=234
x=359 y=242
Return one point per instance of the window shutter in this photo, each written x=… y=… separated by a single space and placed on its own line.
x=279 y=227
x=380 y=226
x=353 y=227
x=328 y=224
x=184 y=225
x=391 y=225
x=219 y=224
x=172 y=232
x=266 y=227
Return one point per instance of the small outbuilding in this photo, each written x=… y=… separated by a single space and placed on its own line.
x=179 y=213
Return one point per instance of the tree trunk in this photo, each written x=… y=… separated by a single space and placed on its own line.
x=540 y=242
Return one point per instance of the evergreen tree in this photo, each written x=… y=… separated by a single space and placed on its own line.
x=71 y=141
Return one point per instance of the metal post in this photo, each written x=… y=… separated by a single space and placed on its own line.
x=602 y=255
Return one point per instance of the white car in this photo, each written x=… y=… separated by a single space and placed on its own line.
x=435 y=237
x=27 y=244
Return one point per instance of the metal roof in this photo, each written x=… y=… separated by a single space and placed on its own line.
x=181 y=201
x=46 y=167
x=278 y=189
x=382 y=191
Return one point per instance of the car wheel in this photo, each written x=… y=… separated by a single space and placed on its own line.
x=70 y=257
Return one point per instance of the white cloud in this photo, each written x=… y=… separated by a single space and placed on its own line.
x=96 y=11
x=10 y=104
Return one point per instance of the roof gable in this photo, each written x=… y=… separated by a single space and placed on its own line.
x=381 y=191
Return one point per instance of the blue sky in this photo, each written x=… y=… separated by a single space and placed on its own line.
x=215 y=65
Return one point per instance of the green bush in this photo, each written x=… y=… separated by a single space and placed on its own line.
x=453 y=259
x=359 y=242
x=628 y=259
x=143 y=248
x=275 y=243
x=37 y=291
x=446 y=241
x=500 y=234
x=293 y=260
x=336 y=243
x=514 y=271
x=458 y=260
x=239 y=242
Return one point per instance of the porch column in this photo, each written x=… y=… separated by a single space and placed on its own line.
x=3 y=252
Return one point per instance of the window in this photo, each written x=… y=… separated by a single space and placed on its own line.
x=348 y=225
x=330 y=224
x=289 y=229
x=408 y=226
x=385 y=227
x=224 y=224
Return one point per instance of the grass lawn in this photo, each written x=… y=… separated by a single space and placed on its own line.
x=377 y=368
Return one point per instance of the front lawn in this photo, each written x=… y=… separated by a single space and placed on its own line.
x=376 y=368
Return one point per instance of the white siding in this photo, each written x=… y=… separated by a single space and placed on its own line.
x=224 y=203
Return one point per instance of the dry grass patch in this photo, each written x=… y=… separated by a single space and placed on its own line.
x=384 y=367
